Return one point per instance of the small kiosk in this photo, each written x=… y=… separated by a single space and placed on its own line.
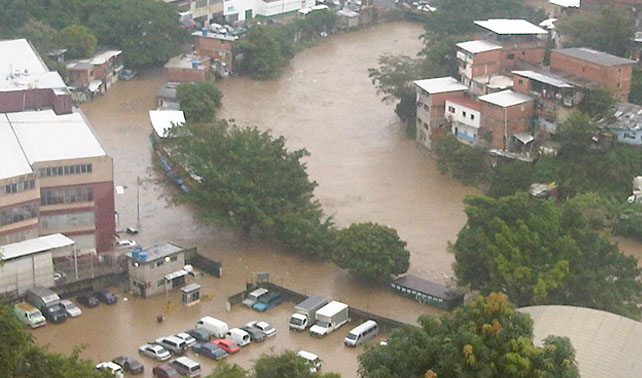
x=191 y=294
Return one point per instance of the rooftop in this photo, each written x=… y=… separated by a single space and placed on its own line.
x=185 y=61
x=45 y=136
x=158 y=251
x=627 y=116
x=21 y=67
x=36 y=245
x=566 y=3
x=467 y=102
x=440 y=85
x=164 y=120
x=606 y=345
x=426 y=287
x=511 y=27
x=14 y=162
x=506 y=98
x=496 y=82
x=543 y=79
x=209 y=34
x=478 y=46
x=593 y=56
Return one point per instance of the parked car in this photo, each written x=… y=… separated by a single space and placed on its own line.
x=131 y=230
x=209 y=350
x=201 y=334
x=240 y=337
x=71 y=308
x=155 y=351
x=106 y=296
x=265 y=327
x=186 y=366
x=312 y=360
x=268 y=301
x=129 y=364
x=59 y=277
x=111 y=367
x=126 y=74
x=173 y=344
x=125 y=243
x=256 y=335
x=88 y=300
x=187 y=338
x=165 y=371
x=227 y=345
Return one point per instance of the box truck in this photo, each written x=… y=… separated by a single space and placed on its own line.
x=305 y=312
x=329 y=317
x=48 y=303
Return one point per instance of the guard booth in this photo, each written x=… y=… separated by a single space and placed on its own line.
x=191 y=294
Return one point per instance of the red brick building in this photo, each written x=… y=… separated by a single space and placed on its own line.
x=216 y=46
x=188 y=68
x=504 y=114
x=478 y=58
x=520 y=40
x=26 y=83
x=609 y=70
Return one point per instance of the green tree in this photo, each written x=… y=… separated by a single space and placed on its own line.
x=284 y=365
x=249 y=180
x=79 y=41
x=464 y=162
x=538 y=253
x=486 y=338
x=598 y=102
x=225 y=370
x=635 y=96
x=371 y=251
x=40 y=34
x=510 y=177
x=199 y=101
x=610 y=31
x=262 y=53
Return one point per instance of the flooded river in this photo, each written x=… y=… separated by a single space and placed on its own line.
x=366 y=169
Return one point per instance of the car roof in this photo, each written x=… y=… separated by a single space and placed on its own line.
x=66 y=301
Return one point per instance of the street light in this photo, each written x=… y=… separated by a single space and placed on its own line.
x=167 y=259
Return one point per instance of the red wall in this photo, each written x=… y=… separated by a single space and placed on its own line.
x=186 y=75
x=516 y=120
x=212 y=47
x=17 y=101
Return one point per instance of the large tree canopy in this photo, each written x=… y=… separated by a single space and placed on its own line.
x=199 y=101
x=284 y=365
x=486 y=338
x=538 y=253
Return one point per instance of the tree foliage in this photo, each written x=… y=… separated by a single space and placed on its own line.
x=42 y=36
x=538 y=253
x=249 y=179
x=199 y=101
x=486 y=338
x=464 y=162
x=284 y=365
x=371 y=251
x=611 y=30
x=598 y=102
x=22 y=358
x=79 y=41
x=635 y=96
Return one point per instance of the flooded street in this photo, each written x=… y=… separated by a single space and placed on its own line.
x=366 y=169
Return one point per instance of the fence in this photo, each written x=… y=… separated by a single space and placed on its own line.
x=203 y=263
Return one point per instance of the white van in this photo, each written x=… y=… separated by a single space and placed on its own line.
x=312 y=359
x=29 y=315
x=173 y=344
x=217 y=328
x=240 y=337
x=362 y=333
x=186 y=366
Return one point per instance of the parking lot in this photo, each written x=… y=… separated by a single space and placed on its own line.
x=110 y=331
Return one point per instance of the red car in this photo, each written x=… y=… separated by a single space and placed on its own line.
x=165 y=371
x=227 y=345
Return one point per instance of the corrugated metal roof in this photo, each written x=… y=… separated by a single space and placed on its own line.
x=36 y=245
x=164 y=120
x=543 y=79
x=511 y=27
x=606 y=345
x=506 y=98
x=594 y=56
x=426 y=287
x=479 y=46
x=440 y=85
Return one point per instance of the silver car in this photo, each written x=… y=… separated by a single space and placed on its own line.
x=155 y=351
x=71 y=308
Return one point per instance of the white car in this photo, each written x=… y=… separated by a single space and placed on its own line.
x=311 y=359
x=263 y=326
x=71 y=308
x=155 y=351
x=111 y=367
x=189 y=340
x=125 y=243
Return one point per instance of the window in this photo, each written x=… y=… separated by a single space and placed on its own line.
x=173 y=258
x=66 y=170
x=67 y=220
x=520 y=81
x=17 y=187
x=17 y=214
x=451 y=109
x=510 y=56
x=159 y=263
x=67 y=195
x=426 y=107
x=472 y=116
x=160 y=282
x=463 y=113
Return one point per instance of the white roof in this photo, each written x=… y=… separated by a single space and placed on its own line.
x=103 y=57
x=566 y=3
x=21 y=68
x=440 y=85
x=36 y=245
x=475 y=47
x=511 y=26
x=331 y=308
x=46 y=136
x=14 y=162
x=164 y=120
x=543 y=79
x=209 y=34
x=506 y=98
x=606 y=345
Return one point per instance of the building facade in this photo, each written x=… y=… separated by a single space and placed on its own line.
x=156 y=269
x=188 y=68
x=464 y=116
x=216 y=46
x=505 y=114
x=478 y=58
x=520 y=40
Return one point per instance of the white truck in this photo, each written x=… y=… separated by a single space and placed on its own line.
x=305 y=312
x=253 y=297
x=329 y=317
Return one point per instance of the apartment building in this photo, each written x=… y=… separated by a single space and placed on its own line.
x=55 y=178
x=216 y=46
x=478 y=58
x=464 y=116
x=431 y=101
x=506 y=115
x=521 y=41
x=26 y=83
x=609 y=70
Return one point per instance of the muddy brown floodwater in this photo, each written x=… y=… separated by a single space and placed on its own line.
x=366 y=169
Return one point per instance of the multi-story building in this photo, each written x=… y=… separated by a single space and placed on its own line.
x=464 y=115
x=197 y=10
x=431 y=99
x=188 y=68
x=478 y=58
x=26 y=83
x=506 y=114
x=97 y=73
x=55 y=177
x=609 y=70
x=156 y=269
x=217 y=46
x=521 y=41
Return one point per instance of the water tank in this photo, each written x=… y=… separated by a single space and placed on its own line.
x=142 y=256
x=204 y=31
x=195 y=64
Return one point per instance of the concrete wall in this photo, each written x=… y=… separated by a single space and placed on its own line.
x=508 y=120
x=186 y=75
x=19 y=275
x=214 y=48
x=431 y=124
x=150 y=273
x=34 y=99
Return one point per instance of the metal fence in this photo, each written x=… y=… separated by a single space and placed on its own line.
x=70 y=269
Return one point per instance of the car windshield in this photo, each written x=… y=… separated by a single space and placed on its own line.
x=54 y=309
x=296 y=321
x=351 y=336
x=323 y=324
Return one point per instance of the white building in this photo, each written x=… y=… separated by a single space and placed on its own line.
x=464 y=115
x=241 y=10
x=163 y=121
